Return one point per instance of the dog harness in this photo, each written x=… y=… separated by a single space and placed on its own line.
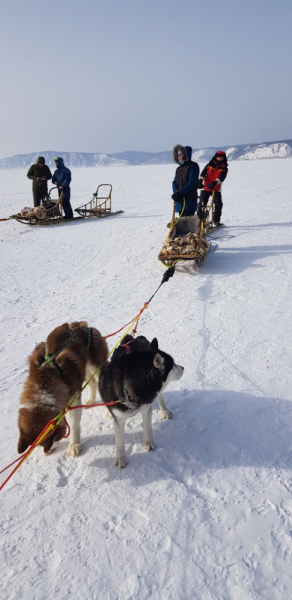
x=50 y=359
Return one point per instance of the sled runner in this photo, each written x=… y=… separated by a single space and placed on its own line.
x=185 y=241
x=95 y=208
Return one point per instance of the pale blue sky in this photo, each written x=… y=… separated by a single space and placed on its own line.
x=114 y=75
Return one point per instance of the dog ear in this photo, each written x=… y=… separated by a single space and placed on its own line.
x=158 y=362
x=22 y=444
x=154 y=345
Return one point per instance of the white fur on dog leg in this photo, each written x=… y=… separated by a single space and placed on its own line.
x=146 y=411
x=165 y=413
x=74 y=450
x=74 y=447
x=92 y=386
x=108 y=413
x=119 y=429
x=88 y=401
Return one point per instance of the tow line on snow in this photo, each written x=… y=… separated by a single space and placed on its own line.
x=53 y=424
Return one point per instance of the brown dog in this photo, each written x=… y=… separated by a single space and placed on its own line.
x=57 y=371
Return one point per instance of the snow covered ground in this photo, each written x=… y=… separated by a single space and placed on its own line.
x=208 y=515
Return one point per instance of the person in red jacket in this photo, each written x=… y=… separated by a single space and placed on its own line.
x=211 y=178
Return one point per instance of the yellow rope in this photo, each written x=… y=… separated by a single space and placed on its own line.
x=170 y=231
x=181 y=214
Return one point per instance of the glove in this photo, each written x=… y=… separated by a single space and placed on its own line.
x=200 y=184
x=177 y=197
x=40 y=181
x=211 y=185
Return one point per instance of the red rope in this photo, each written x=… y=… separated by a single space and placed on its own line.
x=15 y=461
x=111 y=334
x=68 y=427
x=126 y=346
x=135 y=329
x=91 y=405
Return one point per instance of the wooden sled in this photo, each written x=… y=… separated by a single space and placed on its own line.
x=95 y=208
x=50 y=212
x=184 y=242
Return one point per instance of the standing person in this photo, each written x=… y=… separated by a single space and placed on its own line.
x=185 y=183
x=211 y=179
x=62 y=179
x=40 y=175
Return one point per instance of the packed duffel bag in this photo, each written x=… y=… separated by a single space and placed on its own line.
x=52 y=208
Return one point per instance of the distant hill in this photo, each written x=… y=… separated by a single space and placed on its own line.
x=279 y=149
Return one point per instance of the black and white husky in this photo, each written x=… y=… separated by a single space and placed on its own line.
x=136 y=375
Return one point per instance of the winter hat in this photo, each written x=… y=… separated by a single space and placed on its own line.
x=222 y=163
x=41 y=160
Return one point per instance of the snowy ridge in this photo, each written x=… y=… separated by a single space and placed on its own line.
x=281 y=149
x=71 y=159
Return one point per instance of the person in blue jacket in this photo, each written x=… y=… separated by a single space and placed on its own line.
x=62 y=179
x=185 y=183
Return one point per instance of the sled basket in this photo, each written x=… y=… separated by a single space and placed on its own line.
x=184 y=241
x=187 y=247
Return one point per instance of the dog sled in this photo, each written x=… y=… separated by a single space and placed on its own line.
x=48 y=213
x=96 y=208
x=187 y=237
x=184 y=242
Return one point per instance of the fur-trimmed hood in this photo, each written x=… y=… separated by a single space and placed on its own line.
x=186 y=152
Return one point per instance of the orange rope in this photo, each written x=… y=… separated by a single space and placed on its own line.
x=134 y=331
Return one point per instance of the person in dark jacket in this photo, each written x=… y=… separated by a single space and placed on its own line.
x=40 y=175
x=211 y=179
x=62 y=179
x=185 y=183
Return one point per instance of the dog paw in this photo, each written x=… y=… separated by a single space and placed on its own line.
x=88 y=401
x=166 y=414
x=74 y=450
x=149 y=446
x=121 y=462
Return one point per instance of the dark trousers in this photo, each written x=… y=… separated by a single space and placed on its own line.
x=66 y=202
x=191 y=208
x=217 y=204
x=39 y=194
x=188 y=213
